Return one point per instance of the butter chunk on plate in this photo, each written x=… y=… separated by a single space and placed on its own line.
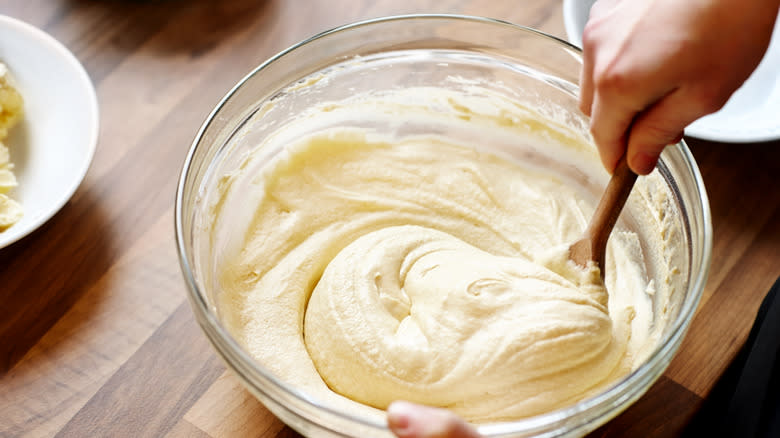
x=11 y=110
x=10 y=212
x=52 y=146
x=7 y=177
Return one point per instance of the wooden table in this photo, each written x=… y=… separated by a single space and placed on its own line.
x=96 y=334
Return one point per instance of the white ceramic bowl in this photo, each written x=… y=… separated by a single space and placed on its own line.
x=753 y=112
x=53 y=145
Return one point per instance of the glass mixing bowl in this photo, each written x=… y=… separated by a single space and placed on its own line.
x=392 y=53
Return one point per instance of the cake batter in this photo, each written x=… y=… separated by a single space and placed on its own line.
x=367 y=268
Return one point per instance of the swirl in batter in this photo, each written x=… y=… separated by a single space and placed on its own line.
x=375 y=269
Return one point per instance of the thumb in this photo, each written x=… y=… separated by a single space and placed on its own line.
x=408 y=420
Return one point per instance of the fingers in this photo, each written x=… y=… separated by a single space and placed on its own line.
x=586 y=82
x=609 y=125
x=658 y=126
x=608 y=85
x=408 y=420
x=599 y=9
x=623 y=96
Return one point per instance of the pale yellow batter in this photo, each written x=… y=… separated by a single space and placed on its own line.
x=10 y=112
x=365 y=268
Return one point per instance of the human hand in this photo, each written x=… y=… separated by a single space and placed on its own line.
x=408 y=420
x=651 y=67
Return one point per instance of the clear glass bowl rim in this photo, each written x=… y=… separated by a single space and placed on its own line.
x=620 y=393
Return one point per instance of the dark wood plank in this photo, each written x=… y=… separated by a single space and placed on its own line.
x=287 y=432
x=227 y=409
x=151 y=392
x=722 y=324
x=94 y=338
x=741 y=182
x=45 y=274
x=662 y=412
x=185 y=429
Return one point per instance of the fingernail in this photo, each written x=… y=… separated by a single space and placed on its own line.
x=398 y=418
x=642 y=164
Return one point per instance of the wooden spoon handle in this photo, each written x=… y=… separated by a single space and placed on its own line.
x=608 y=210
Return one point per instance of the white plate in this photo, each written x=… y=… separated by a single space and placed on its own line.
x=53 y=145
x=753 y=112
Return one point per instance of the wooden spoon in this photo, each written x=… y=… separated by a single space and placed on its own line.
x=593 y=245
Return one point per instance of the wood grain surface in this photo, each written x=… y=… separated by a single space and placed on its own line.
x=96 y=334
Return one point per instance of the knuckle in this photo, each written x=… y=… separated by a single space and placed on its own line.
x=657 y=136
x=589 y=39
x=613 y=80
x=652 y=137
